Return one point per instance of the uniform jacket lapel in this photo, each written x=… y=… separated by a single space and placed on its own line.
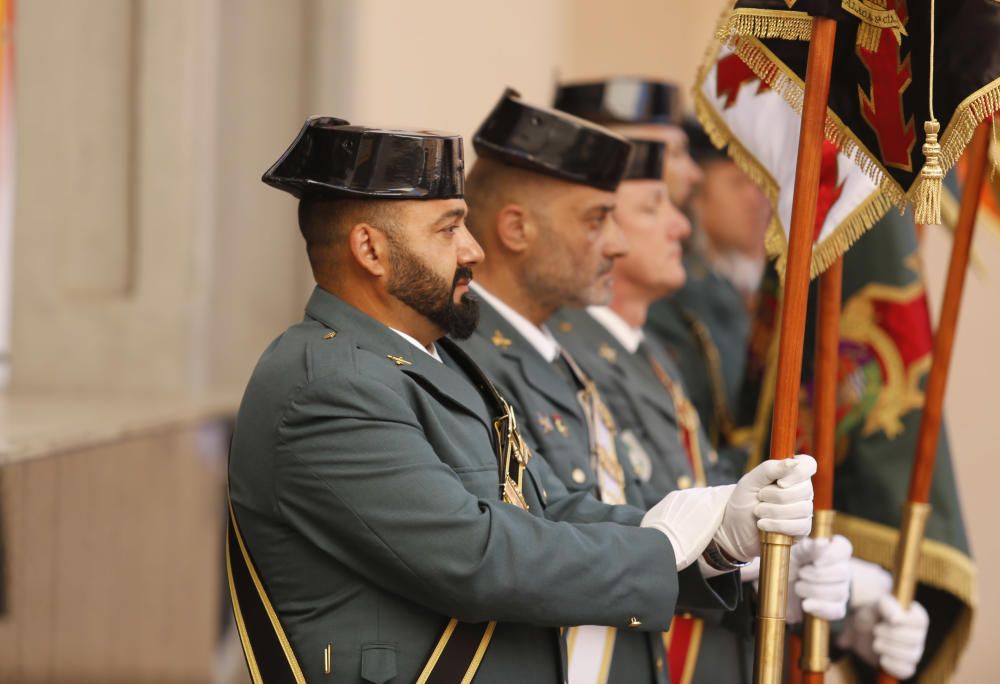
x=446 y=384
x=532 y=368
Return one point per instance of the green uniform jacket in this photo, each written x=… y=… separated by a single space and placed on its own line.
x=644 y=408
x=542 y=399
x=705 y=327
x=367 y=494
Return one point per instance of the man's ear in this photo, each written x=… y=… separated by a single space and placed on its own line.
x=369 y=248
x=515 y=230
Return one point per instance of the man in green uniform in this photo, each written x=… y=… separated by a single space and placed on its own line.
x=540 y=196
x=387 y=521
x=704 y=324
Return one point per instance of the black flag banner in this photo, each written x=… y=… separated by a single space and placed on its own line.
x=879 y=111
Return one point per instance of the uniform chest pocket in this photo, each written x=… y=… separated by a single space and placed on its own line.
x=481 y=480
x=571 y=465
x=378 y=662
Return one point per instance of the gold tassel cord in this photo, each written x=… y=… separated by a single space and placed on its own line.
x=927 y=202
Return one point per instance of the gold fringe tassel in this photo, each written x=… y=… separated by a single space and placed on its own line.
x=786 y=25
x=976 y=108
x=869 y=37
x=927 y=196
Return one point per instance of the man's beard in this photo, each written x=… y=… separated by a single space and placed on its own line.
x=416 y=285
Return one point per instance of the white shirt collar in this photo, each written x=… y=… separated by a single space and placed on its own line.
x=627 y=336
x=538 y=336
x=432 y=352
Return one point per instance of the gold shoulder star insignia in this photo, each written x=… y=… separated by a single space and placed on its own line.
x=607 y=353
x=398 y=360
x=499 y=340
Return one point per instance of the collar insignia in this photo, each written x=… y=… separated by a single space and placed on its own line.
x=398 y=360
x=607 y=353
x=566 y=326
x=500 y=340
x=545 y=422
x=560 y=425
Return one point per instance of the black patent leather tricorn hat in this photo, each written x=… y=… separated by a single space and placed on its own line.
x=622 y=100
x=330 y=158
x=552 y=143
x=646 y=162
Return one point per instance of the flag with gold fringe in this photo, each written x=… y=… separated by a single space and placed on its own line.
x=759 y=130
x=901 y=119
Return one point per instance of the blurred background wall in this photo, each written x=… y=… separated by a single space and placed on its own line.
x=151 y=266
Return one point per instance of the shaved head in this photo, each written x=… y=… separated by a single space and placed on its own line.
x=492 y=185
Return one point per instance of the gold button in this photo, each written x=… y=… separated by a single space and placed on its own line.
x=634 y=622
x=579 y=476
x=683 y=482
x=330 y=335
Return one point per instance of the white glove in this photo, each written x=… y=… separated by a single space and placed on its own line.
x=819 y=578
x=900 y=636
x=689 y=518
x=869 y=583
x=751 y=573
x=776 y=496
x=878 y=630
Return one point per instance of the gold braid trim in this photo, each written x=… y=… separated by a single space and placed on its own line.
x=974 y=109
x=783 y=24
x=941 y=566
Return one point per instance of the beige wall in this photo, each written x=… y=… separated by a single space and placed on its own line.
x=148 y=255
x=657 y=38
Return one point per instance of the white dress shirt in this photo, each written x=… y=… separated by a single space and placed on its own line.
x=432 y=352
x=627 y=336
x=538 y=336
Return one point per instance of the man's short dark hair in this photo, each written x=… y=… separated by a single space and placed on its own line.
x=325 y=222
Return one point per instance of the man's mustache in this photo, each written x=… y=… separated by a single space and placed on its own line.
x=462 y=273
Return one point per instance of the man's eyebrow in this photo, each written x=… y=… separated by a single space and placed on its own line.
x=602 y=208
x=451 y=214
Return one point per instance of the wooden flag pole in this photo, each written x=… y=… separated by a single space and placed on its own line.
x=775 y=548
x=815 y=652
x=917 y=508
